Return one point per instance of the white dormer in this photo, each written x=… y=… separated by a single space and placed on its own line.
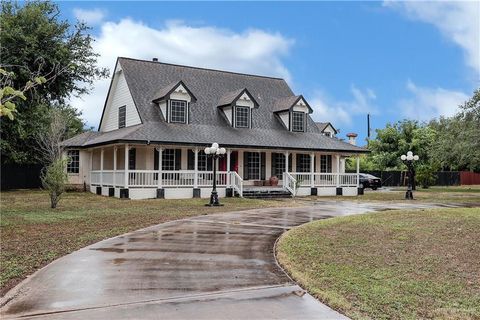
x=237 y=107
x=174 y=102
x=293 y=112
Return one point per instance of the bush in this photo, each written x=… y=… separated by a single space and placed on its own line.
x=425 y=176
x=54 y=179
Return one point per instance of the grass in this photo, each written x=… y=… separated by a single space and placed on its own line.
x=390 y=265
x=456 y=194
x=33 y=235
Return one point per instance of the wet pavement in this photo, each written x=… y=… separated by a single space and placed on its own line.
x=219 y=266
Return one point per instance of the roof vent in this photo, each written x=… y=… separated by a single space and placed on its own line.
x=155 y=59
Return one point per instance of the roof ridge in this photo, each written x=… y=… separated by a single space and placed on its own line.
x=202 y=68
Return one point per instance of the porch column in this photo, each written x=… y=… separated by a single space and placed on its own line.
x=160 y=169
x=312 y=169
x=337 y=156
x=114 y=166
x=229 y=152
x=126 y=167
x=195 y=179
x=101 y=167
x=91 y=166
x=286 y=161
x=358 y=171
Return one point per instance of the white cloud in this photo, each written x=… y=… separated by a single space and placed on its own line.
x=252 y=51
x=428 y=103
x=341 y=113
x=91 y=17
x=459 y=21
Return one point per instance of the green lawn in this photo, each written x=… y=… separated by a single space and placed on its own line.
x=390 y=265
x=456 y=194
x=33 y=235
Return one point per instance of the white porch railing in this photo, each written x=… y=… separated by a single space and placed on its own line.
x=326 y=179
x=289 y=183
x=106 y=178
x=237 y=182
x=181 y=178
x=142 y=178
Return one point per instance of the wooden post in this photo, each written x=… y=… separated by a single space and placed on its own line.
x=126 y=167
x=101 y=167
x=160 y=164
x=195 y=179
x=338 y=169
x=312 y=169
x=358 y=171
x=229 y=152
x=286 y=161
x=114 y=166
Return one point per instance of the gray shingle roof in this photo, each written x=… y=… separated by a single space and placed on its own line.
x=230 y=97
x=284 y=104
x=207 y=125
x=323 y=125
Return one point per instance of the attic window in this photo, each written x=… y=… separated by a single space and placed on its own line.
x=178 y=111
x=242 y=117
x=298 y=121
x=122 y=117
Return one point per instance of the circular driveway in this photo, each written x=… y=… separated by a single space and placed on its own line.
x=207 y=267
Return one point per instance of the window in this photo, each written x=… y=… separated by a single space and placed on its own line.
x=168 y=159
x=303 y=162
x=325 y=163
x=122 y=117
x=242 y=117
x=298 y=121
x=202 y=161
x=178 y=112
x=254 y=165
x=278 y=164
x=73 y=165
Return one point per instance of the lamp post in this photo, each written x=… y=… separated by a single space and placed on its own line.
x=408 y=159
x=214 y=152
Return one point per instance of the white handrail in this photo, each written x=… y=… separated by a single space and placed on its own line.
x=289 y=183
x=237 y=182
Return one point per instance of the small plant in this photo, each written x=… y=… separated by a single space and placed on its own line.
x=54 y=179
x=425 y=176
x=298 y=183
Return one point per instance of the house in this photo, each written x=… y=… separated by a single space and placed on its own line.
x=327 y=129
x=159 y=117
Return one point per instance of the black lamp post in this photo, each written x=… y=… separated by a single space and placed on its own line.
x=214 y=152
x=408 y=159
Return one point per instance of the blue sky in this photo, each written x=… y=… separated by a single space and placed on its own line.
x=393 y=59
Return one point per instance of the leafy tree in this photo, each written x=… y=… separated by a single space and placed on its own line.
x=34 y=37
x=457 y=146
x=54 y=180
x=425 y=175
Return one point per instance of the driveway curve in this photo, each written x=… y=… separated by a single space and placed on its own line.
x=206 y=267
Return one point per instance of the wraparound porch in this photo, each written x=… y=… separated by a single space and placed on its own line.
x=140 y=171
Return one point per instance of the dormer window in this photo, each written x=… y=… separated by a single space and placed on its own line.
x=242 y=117
x=178 y=111
x=237 y=108
x=298 y=121
x=174 y=102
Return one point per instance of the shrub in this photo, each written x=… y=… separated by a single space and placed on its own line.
x=425 y=176
x=54 y=179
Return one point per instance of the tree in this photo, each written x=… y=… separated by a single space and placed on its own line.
x=54 y=176
x=457 y=146
x=34 y=38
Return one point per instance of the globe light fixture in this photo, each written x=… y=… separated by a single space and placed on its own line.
x=214 y=152
x=408 y=159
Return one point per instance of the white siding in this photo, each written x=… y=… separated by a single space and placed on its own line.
x=119 y=96
x=285 y=119
x=245 y=101
x=228 y=114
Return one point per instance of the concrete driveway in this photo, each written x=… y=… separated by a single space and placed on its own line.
x=219 y=266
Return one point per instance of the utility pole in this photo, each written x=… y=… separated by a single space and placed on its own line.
x=368 y=129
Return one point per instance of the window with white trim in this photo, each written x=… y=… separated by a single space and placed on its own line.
x=202 y=161
x=326 y=163
x=278 y=164
x=303 y=163
x=122 y=117
x=298 y=121
x=73 y=165
x=254 y=163
x=168 y=159
x=242 y=117
x=178 y=111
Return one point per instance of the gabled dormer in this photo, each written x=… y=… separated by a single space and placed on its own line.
x=174 y=102
x=293 y=112
x=237 y=107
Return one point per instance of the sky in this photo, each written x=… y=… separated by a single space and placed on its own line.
x=394 y=60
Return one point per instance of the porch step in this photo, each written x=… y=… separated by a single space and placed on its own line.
x=266 y=194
